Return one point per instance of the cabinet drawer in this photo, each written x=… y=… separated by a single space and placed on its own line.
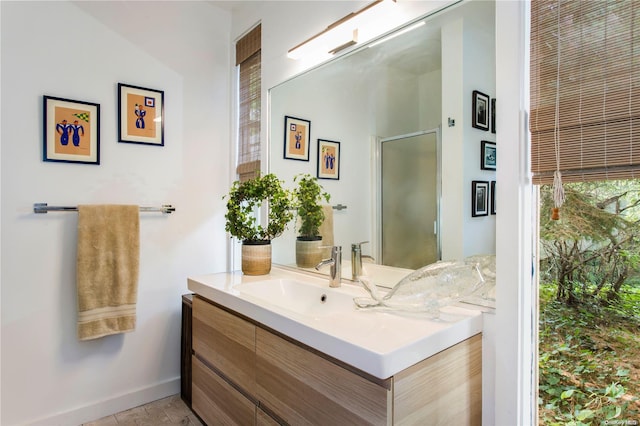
x=226 y=342
x=217 y=402
x=304 y=388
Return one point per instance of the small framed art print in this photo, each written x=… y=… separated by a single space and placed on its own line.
x=479 y=198
x=493 y=197
x=487 y=155
x=493 y=115
x=140 y=115
x=328 y=159
x=296 y=138
x=480 y=111
x=71 y=131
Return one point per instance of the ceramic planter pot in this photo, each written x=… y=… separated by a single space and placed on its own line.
x=308 y=252
x=256 y=257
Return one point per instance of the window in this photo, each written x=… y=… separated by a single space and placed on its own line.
x=249 y=104
x=585 y=89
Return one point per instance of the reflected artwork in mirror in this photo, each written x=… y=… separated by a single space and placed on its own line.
x=297 y=133
x=391 y=91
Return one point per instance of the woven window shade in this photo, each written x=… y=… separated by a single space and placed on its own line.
x=248 y=58
x=249 y=44
x=598 y=93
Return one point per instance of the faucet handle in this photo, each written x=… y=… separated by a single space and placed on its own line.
x=358 y=246
x=335 y=250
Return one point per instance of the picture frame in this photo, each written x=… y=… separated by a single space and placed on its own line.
x=71 y=131
x=328 y=159
x=493 y=197
x=297 y=133
x=480 y=110
x=479 y=198
x=488 y=155
x=493 y=115
x=140 y=115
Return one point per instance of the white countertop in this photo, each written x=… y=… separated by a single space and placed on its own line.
x=380 y=343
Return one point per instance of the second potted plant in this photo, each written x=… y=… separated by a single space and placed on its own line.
x=307 y=197
x=244 y=199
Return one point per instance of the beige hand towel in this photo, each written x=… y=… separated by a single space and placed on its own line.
x=107 y=269
x=326 y=230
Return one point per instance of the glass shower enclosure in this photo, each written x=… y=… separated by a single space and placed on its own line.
x=408 y=199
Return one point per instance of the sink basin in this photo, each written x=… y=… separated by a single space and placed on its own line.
x=301 y=297
x=384 y=276
x=304 y=308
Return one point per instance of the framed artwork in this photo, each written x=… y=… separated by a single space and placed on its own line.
x=493 y=197
x=328 y=159
x=493 y=115
x=488 y=155
x=479 y=198
x=296 y=138
x=140 y=115
x=71 y=131
x=480 y=111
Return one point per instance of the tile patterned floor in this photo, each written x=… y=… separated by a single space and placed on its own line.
x=170 y=411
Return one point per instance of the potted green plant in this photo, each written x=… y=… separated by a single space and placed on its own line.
x=241 y=221
x=308 y=196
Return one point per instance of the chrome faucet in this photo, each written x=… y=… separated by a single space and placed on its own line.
x=356 y=259
x=335 y=273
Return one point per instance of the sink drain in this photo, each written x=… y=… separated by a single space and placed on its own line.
x=323 y=298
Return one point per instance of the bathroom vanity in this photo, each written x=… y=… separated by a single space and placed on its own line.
x=286 y=349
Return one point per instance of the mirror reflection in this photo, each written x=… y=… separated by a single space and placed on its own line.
x=404 y=178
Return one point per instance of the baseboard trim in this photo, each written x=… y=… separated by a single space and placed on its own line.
x=112 y=405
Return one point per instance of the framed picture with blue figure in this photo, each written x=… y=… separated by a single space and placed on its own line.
x=488 y=155
x=297 y=134
x=328 y=159
x=71 y=131
x=140 y=115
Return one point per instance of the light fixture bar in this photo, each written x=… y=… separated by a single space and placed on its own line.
x=338 y=33
x=343 y=46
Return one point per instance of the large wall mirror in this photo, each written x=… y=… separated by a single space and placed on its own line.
x=404 y=174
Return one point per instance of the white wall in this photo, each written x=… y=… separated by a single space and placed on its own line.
x=81 y=51
x=453 y=140
x=479 y=74
x=468 y=61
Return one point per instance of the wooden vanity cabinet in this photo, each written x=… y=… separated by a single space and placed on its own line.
x=223 y=366
x=306 y=388
x=246 y=374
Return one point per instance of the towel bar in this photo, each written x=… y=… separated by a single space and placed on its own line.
x=44 y=208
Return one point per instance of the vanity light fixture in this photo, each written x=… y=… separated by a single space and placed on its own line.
x=342 y=33
x=397 y=33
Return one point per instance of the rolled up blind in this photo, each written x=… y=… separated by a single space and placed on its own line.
x=585 y=66
x=248 y=57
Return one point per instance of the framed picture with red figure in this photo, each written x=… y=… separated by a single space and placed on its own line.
x=297 y=133
x=140 y=115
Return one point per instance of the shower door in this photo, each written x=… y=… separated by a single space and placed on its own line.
x=409 y=194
